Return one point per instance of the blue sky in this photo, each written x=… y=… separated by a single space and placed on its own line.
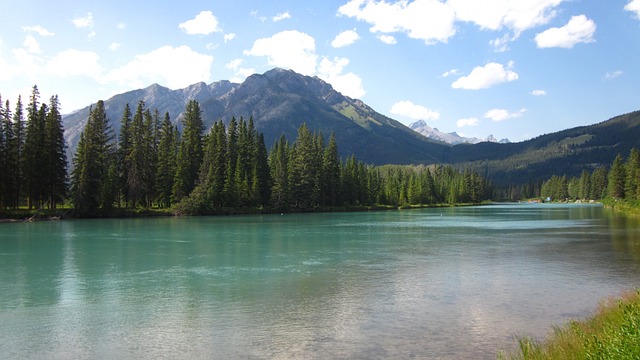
x=512 y=68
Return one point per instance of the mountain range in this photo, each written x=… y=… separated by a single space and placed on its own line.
x=279 y=101
x=451 y=138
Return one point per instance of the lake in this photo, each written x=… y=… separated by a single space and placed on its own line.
x=443 y=283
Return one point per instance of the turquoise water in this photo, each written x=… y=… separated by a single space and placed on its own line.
x=433 y=283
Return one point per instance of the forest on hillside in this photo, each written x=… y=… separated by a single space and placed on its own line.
x=150 y=164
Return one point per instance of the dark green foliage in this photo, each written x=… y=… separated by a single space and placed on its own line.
x=94 y=178
x=617 y=178
x=166 y=168
x=55 y=164
x=190 y=154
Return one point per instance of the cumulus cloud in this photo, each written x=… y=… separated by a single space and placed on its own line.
x=429 y=20
x=114 y=46
x=72 y=62
x=503 y=114
x=451 y=72
x=483 y=77
x=348 y=84
x=83 y=21
x=31 y=45
x=204 y=23
x=414 y=111
x=579 y=29
x=538 y=93
x=517 y=16
x=288 y=49
x=228 y=37
x=240 y=72
x=434 y=21
x=610 y=75
x=345 y=38
x=387 y=39
x=38 y=30
x=165 y=65
x=467 y=122
x=281 y=16
x=633 y=6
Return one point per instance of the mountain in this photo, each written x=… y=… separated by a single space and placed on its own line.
x=566 y=152
x=452 y=138
x=279 y=101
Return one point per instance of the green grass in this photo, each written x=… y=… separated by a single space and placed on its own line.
x=612 y=333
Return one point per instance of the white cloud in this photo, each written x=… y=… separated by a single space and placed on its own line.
x=451 y=72
x=579 y=29
x=502 y=114
x=538 y=93
x=483 y=77
x=31 y=45
x=387 y=39
x=467 y=122
x=348 y=84
x=288 y=49
x=240 y=72
x=633 y=6
x=500 y=44
x=114 y=46
x=228 y=37
x=429 y=20
x=73 y=62
x=83 y=22
x=121 y=26
x=413 y=111
x=204 y=23
x=610 y=75
x=38 y=30
x=345 y=38
x=165 y=65
x=517 y=16
x=281 y=16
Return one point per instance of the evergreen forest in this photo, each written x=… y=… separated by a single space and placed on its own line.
x=151 y=164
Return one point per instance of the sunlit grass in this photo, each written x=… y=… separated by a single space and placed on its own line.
x=612 y=333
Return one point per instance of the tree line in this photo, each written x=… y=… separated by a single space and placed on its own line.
x=33 y=160
x=151 y=164
x=621 y=181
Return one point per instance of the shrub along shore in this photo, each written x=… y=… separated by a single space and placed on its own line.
x=612 y=333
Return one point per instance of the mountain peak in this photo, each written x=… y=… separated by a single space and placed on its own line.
x=452 y=138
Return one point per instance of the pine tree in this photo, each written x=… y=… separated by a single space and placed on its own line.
x=56 y=159
x=279 y=165
x=230 y=185
x=191 y=152
x=303 y=170
x=617 y=178
x=599 y=183
x=330 y=174
x=4 y=171
x=262 y=176
x=94 y=177
x=124 y=148
x=34 y=152
x=15 y=144
x=166 y=166
x=632 y=172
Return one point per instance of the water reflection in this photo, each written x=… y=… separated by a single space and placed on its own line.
x=434 y=283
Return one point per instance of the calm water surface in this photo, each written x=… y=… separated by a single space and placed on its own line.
x=434 y=283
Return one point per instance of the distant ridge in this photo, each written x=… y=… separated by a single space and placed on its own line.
x=452 y=138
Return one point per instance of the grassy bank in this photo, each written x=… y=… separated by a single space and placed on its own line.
x=624 y=207
x=612 y=333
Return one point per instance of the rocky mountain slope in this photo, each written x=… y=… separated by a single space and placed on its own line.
x=452 y=138
x=279 y=102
